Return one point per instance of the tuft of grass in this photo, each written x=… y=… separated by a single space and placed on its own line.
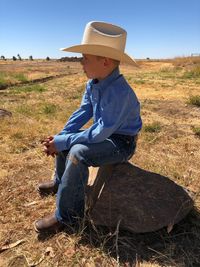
x=20 y=77
x=129 y=78
x=17 y=135
x=3 y=79
x=196 y=131
x=154 y=127
x=7 y=78
x=194 y=73
x=168 y=73
x=194 y=100
x=184 y=61
x=24 y=109
x=29 y=88
x=139 y=81
x=49 y=108
x=165 y=69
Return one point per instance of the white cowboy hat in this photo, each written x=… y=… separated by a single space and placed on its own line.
x=103 y=39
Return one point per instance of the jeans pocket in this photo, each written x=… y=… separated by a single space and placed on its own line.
x=125 y=146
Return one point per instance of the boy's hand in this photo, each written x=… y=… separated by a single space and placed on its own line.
x=47 y=139
x=49 y=146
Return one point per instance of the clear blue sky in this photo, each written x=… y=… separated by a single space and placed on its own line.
x=156 y=28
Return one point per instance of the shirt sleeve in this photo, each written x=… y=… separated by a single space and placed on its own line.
x=80 y=117
x=113 y=112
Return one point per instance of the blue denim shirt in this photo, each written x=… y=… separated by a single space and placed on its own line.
x=114 y=107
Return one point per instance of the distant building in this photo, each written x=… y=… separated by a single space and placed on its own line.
x=195 y=55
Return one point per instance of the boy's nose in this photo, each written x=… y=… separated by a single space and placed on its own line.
x=82 y=61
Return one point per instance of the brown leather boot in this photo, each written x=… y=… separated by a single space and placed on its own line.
x=48 y=223
x=48 y=188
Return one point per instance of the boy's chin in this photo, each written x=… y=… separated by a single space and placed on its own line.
x=90 y=76
x=86 y=74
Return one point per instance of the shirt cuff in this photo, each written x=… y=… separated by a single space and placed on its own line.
x=60 y=142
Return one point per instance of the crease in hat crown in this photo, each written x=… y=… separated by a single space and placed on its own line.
x=101 y=33
x=103 y=39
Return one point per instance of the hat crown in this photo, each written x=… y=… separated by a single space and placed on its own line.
x=105 y=34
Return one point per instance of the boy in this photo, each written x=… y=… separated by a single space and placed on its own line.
x=116 y=122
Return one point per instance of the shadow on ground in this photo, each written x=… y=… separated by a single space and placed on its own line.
x=180 y=247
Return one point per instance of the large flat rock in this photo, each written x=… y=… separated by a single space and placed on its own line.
x=139 y=200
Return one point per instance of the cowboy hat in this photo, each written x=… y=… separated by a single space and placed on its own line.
x=103 y=39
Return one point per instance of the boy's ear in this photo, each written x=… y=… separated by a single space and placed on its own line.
x=107 y=61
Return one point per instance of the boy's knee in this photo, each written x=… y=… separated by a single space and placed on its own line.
x=77 y=153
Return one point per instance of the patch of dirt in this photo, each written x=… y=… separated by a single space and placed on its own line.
x=172 y=109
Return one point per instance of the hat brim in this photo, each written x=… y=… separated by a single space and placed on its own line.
x=101 y=50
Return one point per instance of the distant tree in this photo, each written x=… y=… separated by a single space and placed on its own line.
x=31 y=58
x=3 y=58
x=19 y=57
x=14 y=58
x=148 y=58
x=70 y=59
x=47 y=58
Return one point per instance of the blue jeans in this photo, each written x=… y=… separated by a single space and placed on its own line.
x=72 y=172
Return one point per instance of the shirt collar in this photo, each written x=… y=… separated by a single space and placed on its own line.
x=105 y=82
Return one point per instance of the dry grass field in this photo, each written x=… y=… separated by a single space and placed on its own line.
x=169 y=92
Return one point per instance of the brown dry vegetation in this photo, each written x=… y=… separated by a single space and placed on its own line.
x=13 y=73
x=168 y=144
